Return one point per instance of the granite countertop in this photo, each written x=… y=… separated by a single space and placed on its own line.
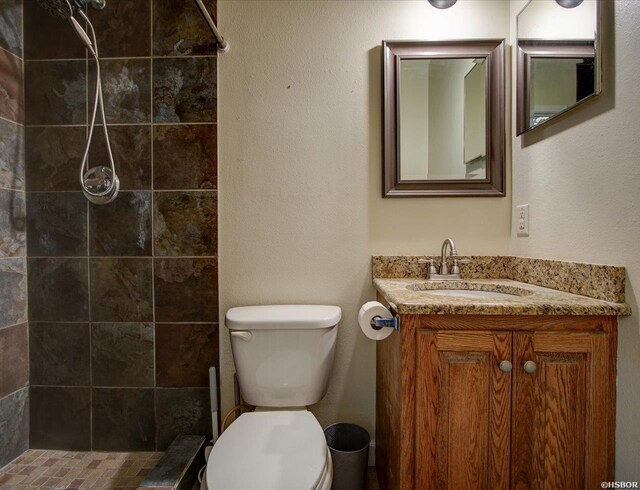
x=411 y=296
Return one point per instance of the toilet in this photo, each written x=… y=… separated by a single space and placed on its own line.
x=283 y=356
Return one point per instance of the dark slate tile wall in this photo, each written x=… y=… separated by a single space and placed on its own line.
x=55 y=91
x=59 y=354
x=14 y=330
x=123 y=298
x=14 y=425
x=131 y=147
x=181 y=411
x=11 y=31
x=60 y=417
x=12 y=83
x=122 y=418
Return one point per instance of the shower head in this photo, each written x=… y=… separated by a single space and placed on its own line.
x=64 y=9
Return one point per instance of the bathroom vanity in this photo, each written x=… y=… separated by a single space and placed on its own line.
x=510 y=386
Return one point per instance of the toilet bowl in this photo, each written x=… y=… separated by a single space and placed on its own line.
x=271 y=450
x=283 y=356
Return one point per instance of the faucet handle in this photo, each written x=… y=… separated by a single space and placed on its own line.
x=432 y=266
x=456 y=269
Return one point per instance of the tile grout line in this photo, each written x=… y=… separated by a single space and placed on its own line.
x=11 y=393
x=2 y=48
x=109 y=124
x=26 y=250
x=88 y=244
x=107 y=387
x=120 y=58
x=26 y=279
x=10 y=189
x=7 y=327
x=124 y=191
x=17 y=123
x=107 y=257
x=153 y=237
x=107 y=322
x=217 y=171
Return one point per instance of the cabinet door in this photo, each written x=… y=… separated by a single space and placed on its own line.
x=563 y=412
x=462 y=410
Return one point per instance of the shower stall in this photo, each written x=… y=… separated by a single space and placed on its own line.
x=122 y=323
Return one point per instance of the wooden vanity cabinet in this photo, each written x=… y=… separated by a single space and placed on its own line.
x=462 y=405
x=450 y=416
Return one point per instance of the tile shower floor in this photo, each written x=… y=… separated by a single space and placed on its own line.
x=42 y=469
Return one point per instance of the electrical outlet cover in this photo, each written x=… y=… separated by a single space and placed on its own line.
x=523 y=219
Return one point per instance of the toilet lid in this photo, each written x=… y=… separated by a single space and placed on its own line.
x=269 y=450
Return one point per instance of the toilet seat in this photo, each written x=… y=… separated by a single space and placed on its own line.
x=264 y=450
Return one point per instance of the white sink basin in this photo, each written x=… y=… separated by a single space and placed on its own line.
x=468 y=293
x=468 y=290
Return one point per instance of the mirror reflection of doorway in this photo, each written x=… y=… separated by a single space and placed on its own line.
x=442 y=108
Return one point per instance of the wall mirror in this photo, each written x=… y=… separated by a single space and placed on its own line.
x=444 y=118
x=558 y=58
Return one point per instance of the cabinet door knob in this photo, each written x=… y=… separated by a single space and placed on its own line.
x=505 y=366
x=530 y=367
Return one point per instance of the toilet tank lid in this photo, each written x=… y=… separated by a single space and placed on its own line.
x=282 y=317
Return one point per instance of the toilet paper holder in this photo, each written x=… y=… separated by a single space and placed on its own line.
x=378 y=322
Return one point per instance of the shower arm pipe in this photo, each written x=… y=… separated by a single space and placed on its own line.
x=223 y=45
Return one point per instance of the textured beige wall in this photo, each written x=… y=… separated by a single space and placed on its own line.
x=300 y=167
x=581 y=177
x=300 y=153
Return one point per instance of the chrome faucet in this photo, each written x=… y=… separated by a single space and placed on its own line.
x=444 y=270
x=445 y=274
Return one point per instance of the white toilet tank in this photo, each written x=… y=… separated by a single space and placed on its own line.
x=283 y=354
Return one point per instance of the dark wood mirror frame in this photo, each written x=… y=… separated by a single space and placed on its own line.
x=492 y=50
x=548 y=49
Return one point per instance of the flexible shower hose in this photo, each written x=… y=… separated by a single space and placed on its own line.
x=98 y=101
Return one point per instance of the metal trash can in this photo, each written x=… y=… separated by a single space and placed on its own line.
x=349 y=446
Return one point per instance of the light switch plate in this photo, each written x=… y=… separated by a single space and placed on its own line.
x=523 y=219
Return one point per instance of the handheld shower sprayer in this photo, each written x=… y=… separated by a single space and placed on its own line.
x=82 y=34
x=100 y=185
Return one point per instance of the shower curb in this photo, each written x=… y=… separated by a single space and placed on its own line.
x=178 y=468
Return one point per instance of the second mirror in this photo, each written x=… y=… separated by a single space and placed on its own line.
x=558 y=58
